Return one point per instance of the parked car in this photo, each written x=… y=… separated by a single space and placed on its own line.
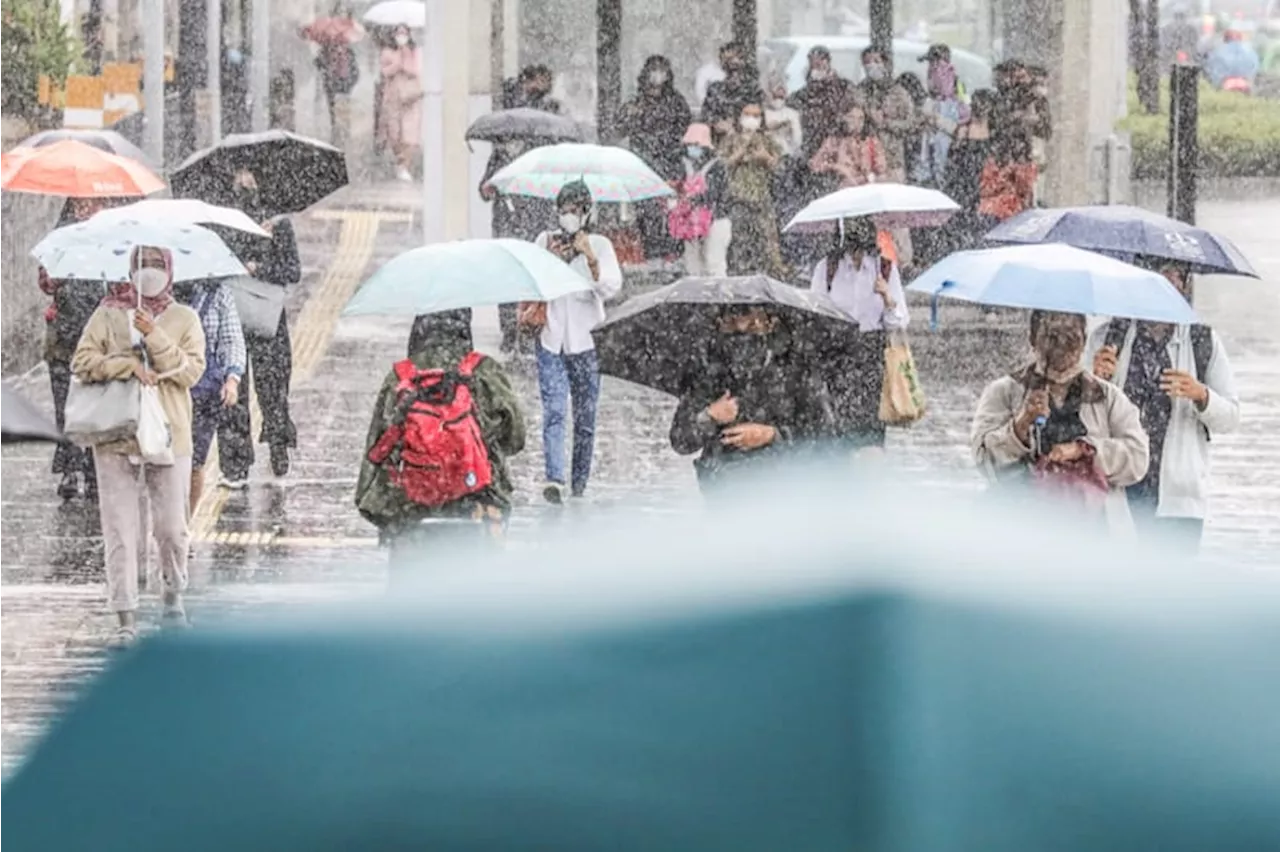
x=790 y=54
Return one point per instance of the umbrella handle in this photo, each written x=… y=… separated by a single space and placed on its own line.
x=933 y=312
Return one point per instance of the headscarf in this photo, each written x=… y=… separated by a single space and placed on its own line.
x=125 y=295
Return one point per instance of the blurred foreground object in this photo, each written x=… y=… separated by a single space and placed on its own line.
x=22 y=421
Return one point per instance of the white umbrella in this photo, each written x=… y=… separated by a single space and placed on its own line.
x=99 y=251
x=393 y=13
x=612 y=174
x=180 y=211
x=891 y=205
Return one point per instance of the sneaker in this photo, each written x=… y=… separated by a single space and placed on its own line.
x=122 y=637
x=280 y=461
x=69 y=487
x=553 y=493
x=234 y=483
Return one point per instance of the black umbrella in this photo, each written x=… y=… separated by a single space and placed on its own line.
x=650 y=339
x=103 y=140
x=524 y=123
x=292 y=172
x=20 y=421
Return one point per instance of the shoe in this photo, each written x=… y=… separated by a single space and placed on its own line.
x=236 y=483
x=402 y=174
x=280 y=460
x=174 y=614
x=69 y=487
x=553 y=493
x=122 y=637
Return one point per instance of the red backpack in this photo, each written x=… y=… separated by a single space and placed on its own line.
x=433 y=449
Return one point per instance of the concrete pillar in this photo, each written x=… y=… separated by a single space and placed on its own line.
x=153 y=77
x=213 y=68
x=880 y=13
x=608 y=68
x=445 y=159
x=260 y=69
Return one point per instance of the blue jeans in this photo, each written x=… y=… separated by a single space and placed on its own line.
x=561 y=376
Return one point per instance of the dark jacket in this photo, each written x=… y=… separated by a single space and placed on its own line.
x=822 y=105
x=655 y=127
x=783 y=393
x=74 y=301
x=517 y=216
x=277 y=260
x=726 y=98
x=501 y=424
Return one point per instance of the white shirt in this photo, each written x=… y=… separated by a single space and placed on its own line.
x=1184 y=461
x=571 y=318
x=853 y=291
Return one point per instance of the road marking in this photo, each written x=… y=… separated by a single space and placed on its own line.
x=311 y=337
x=275 y=539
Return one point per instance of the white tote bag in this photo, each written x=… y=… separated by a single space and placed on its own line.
x=155 y=435
x=102 y=412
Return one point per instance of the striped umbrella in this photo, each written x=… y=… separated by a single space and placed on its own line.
x=612 y=174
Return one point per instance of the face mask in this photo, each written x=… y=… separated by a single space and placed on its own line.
x=694 y=152
x=750 y=124
x=657 y=78
x=875 y=72
x=570 y=223
x=150 y=282
x=402 y=39
x=819 y=74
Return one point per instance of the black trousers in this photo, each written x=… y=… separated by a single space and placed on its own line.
x=269 y=372
x=67 y=458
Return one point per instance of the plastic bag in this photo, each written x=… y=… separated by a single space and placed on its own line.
x=155 y=436
x=901 y=397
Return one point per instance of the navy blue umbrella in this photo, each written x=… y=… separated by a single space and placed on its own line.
x=1126 y=232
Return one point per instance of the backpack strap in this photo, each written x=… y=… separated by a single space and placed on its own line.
x=469 y=364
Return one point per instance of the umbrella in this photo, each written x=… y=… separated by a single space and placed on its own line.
x=805 y=672
x=1125 y=232
x=75 y=170
x=652 y=339
x=891 y=205
x=104 y=140
x=1055 y=277
x=524 y=123
x=394 y=13
x=21 y=421
x=181 y=211
x=613 y=174
x=293 y=172
x=465 y=274
x=99 y=251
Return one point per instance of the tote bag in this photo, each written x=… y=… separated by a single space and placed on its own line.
x=901 y=397
x=259 y=305
x=102 y=412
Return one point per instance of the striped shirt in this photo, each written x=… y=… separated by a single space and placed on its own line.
x=224 y=338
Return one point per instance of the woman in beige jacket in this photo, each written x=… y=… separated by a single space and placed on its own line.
x=1059 y=428
x=140 y=332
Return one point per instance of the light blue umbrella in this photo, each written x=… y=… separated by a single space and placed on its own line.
x=99 y=251
x=465 y=274
x=612 y=174
x=1055 y=277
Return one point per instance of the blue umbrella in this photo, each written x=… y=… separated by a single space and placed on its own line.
x=1125 y=232
x=466 y=274
x=99 y=250
x=1055 y=278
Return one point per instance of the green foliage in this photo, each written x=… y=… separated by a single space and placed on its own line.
x=33 y=42
x=1239 y=135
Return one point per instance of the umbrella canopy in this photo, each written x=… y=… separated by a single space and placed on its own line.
x=651 y=339
x=788 y=674
x=613 y=174
x=1055 y=278
x=22 y=421
x=75 y=170
x=292 y=172
x=180 y=211
x=104 y=140
x=1126 y=232
x=394 y=13
x=524 y=123
x=99 y=251
x=891 y=205
x=466 y=274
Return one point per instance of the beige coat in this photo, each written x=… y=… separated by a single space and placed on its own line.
x=175 y=347
x=1110 y=419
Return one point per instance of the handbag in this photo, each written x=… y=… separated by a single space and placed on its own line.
x=259 y=305
x=102 y=412
x=901 y=396
x=155 y=435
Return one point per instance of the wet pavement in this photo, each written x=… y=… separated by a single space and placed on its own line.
x=285 y=543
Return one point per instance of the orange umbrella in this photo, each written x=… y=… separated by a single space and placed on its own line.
x=75 y=170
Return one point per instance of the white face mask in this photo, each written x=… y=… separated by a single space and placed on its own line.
x=570 y=223
x=819 y=74
x=750 y=124
x=402 y=39
x=876 y=71
x=657 y=78
x=150 y=282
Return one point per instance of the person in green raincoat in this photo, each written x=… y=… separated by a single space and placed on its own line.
x=441 y=341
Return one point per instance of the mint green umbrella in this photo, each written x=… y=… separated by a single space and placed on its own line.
x=465 y=274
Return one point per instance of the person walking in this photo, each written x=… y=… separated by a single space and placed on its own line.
x=270 y=369
x=700 y=216
x=868 y=287
x=567 y=364
x=415 y=513
x=139 y=333
x=751 y=157
x=1181 y=380
x=1055 y=427
x=337 y=65
x=400 y=110
x=225 y=359
x=654 y=121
